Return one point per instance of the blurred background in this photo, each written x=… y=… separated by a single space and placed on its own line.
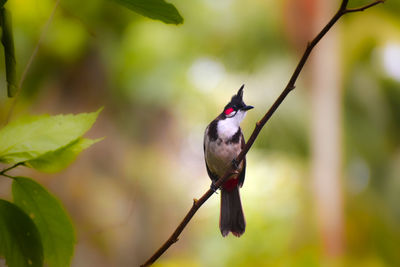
x=323 y=178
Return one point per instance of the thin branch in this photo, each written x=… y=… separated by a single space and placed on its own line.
x=4 y=171
x=259 y=125
x=32 y=57
x=344 y=4
x=8 y=176
x=350 y=10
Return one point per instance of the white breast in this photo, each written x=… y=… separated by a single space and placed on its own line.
x=219 y=154
x=228 y=127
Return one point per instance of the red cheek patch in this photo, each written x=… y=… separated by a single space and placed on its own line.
x=228 y=111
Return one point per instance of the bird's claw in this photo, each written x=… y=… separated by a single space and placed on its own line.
x=214 y=187
x=235 y=164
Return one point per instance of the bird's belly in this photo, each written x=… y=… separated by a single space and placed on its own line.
x=220 y=155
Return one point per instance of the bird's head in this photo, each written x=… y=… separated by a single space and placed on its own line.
x=236 y=109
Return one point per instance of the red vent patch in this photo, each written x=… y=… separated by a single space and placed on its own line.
x=230 y=184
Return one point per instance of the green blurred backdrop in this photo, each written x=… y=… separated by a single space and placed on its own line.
x=161 y=85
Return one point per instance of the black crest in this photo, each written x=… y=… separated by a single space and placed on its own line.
x=237 y=100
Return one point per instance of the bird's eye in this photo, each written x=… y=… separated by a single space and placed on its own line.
x=228 y=111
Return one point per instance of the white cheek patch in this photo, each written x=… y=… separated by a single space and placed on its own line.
x=240 y=116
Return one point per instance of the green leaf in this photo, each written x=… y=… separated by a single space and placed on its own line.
x=154 y=9
x=7 y=40
x=55 y=161
x=28 y=138
x=19 y=238
x=50 y=218
x=2 y=2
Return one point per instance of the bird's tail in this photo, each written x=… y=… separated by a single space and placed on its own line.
x=231 y=217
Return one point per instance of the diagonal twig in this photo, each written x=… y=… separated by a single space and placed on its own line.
x=259 y=125
x=4 y=171
x=349 y=10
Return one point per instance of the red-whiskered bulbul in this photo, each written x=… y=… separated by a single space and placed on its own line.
x=223 y=141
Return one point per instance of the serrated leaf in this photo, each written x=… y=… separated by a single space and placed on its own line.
x=20 y=242
x=55 y=161
x=50 y=218
x=154 y=9
x=29 y=138
x=7 y=40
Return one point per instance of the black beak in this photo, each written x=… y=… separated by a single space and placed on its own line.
x=247 y=107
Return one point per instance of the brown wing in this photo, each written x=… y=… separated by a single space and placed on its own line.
x=212 y=176
x=243 y=172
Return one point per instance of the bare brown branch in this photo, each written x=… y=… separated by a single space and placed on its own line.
x=259 y=125
x=349 y=10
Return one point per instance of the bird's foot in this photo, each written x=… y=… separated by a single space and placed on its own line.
x=214 y=187
x=235 y=164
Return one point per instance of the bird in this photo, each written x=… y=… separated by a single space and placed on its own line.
x=223 y=142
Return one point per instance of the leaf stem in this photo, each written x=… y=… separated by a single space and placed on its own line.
x=4 y=171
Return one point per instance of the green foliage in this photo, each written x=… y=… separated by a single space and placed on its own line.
x=55 y=161
x=50 y=218
x=29 y=138
x=159 y=102
x=2 y=2
x=7 y=40
x=20 y=242
x=154 y=9
x=49 y=144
